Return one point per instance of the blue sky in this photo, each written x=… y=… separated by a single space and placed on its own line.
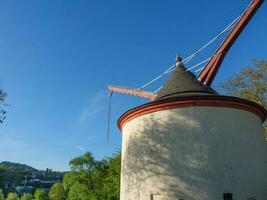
x=58 y=57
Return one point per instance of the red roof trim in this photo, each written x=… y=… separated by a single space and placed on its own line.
x=216 y=101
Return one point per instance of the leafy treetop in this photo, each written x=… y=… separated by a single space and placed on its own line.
x=250 y=83
x=2 y=105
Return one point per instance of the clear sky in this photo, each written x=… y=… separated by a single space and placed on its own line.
x=58 y=57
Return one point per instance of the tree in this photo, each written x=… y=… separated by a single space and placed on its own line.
x=93 y=180
x=57 y=192
x=12 y=196
x=26 y=196
x=2 y=104
x=82 y=168
x=2 y=196
x=40 y=194
x=80 y=180
x=112 y=181
x=107 y=178
x=250 y=84
x=84 y=162
x=80 y=192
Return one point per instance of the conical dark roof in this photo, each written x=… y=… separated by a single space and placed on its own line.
x=183 y=83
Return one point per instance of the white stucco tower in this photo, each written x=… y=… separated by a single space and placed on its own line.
x=193 y=144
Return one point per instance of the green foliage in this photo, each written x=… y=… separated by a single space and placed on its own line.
x=70 y=178
x=40 y=194
x=57 y=192
x=12 y=196
x=2 y=196
x=250 y=83
x=2 y=105
x=80 y=191
x=26 y=196
x=93 y=180
x=111 y=183
x=1 y=179
x=80 y=179
x=84 y=162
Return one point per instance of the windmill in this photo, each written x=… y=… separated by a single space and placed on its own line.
x=190 y=142
x=209 y=72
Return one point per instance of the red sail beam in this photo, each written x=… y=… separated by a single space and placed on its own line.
x=210 y=70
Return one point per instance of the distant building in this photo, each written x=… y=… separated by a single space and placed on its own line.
x=23 y=189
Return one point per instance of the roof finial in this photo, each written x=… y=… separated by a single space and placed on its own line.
x=178 y=60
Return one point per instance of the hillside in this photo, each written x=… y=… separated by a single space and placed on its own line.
x=20 y=177
x=17 y=167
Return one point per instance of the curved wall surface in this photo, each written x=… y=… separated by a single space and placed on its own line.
x=194 y=153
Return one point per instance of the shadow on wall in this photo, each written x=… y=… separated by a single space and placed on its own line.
x=169 y=152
